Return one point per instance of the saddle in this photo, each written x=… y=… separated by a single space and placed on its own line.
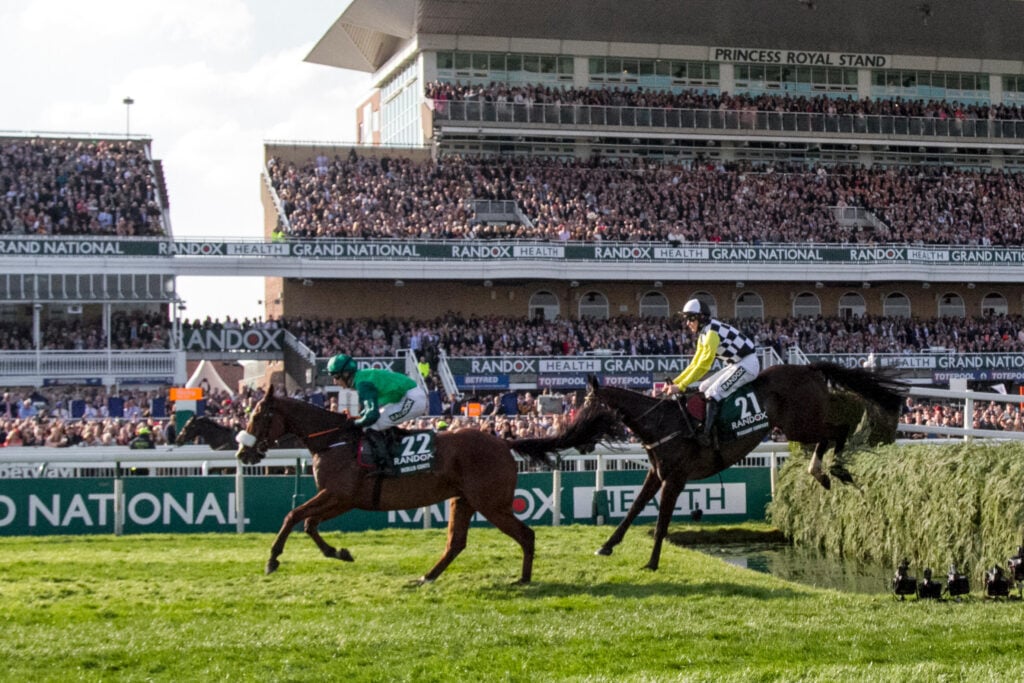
x=395 y=452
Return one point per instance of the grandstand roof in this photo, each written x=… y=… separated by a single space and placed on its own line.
x=369 y=32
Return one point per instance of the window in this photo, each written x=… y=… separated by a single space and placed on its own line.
x=896 y=305
x=749 y=305
x=994 y=303
x=593 y=304
x=543 y=306
x=851 y=305
x=654 y=305
x=951 y=305
x=806 y=304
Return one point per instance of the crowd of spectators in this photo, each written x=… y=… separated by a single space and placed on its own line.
x=637 y=200
x=41 y=418
x=129 y=330
x=498 y=94
x=77 y=187
x=461 y=336
x=472 y=335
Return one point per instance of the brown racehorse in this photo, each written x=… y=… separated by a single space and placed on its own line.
x=474 y=469
x=796 y=398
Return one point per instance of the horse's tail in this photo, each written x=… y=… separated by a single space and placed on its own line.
x=880 y=387
x=595 y=423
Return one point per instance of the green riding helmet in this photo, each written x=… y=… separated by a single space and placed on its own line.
x=341 y=365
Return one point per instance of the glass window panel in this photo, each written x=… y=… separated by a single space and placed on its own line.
x=462 y=61
x=514 y=63
x=566 y=66
x=711 y=71
x=531 y=64
x=497 y=62
x=773 y=74
x=613 y=67
x=480 y=61
x=679 y=70
x=630 y=66
x=547 y=64
x=662 y=67
x=597 y=66
x=445 y=61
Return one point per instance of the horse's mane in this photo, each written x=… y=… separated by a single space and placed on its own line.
x=629 y=394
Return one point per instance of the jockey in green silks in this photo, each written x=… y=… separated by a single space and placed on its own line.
x=386 y=398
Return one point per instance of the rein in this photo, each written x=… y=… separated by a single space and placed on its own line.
x=665 y=439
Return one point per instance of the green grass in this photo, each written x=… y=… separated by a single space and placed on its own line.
x=177 y=607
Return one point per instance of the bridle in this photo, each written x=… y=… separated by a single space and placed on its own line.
x=248 y=440
x=260 y=421
x=592 y=396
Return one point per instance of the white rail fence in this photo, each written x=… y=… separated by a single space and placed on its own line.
x=200 y=460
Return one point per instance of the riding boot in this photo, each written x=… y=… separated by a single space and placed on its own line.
x=379 y=448
x=705 y=438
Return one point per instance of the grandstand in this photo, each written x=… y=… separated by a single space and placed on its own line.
x=586 y=161
x=607 y=160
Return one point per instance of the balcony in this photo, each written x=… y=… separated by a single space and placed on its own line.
x=509 y=114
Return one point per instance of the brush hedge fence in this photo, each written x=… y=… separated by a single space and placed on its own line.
x=934 y=503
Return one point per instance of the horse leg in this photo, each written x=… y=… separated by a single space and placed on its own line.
x=815 y=469
x=838 y=469
x=312 y=530
x=643 y=497
x=299 y=514
x=670 y=490
x=459 y=515
x=507 y=522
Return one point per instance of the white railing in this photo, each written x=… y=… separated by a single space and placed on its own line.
x=447 y=378
x=969 y=398
x=119 y=460
x=77 y=364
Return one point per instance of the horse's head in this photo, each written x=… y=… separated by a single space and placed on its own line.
x=187 y=433
x=266 y=425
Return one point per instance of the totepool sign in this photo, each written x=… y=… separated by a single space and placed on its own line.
x=204 y=504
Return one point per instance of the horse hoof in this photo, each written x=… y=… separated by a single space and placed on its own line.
x=344 y=555
x=651 y=567
x=424 y=581
x=603 y=551
x=272 y=566
x=824 y=480
x=842 y=475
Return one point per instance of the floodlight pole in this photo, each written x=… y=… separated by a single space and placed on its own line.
x=128 y=102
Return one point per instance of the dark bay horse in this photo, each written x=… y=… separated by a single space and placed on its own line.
x=474 y=469
x=220 y=437
x=796 y=398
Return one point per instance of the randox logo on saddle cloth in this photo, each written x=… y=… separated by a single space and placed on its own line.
x=740 y=414
x=412 y=454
